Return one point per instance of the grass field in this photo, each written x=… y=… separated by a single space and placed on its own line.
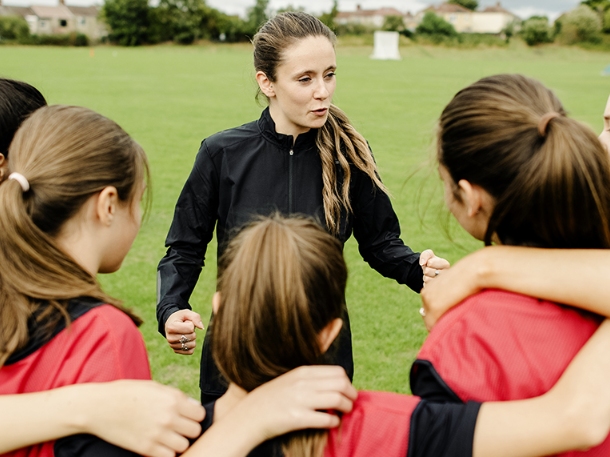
x=170 y=98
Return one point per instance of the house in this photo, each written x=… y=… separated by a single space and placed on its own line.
x=493 y=19
x=369 y=18
x=59 y=19
x=456 y=15
x=87 y=22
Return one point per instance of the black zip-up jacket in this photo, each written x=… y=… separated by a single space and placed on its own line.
x=252 y=170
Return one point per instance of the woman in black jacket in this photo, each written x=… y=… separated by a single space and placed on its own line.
x=302 y=156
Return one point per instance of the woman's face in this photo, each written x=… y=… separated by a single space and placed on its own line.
x=128 y=218
x=304 y=86
x=473 y=206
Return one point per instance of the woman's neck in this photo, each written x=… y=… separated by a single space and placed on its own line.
x=232 y=397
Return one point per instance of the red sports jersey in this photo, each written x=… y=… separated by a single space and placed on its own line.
x=499 y=345
x=103 y=344
x=378 y=425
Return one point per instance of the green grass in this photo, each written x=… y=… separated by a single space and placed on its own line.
x=170 y=98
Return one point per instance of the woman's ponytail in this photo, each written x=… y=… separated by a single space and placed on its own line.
x=340 y=144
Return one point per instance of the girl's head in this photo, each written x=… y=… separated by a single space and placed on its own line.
x=518 y=171
x=75 y=165
x=17 y=101
x=282 y=291
x=294 y=59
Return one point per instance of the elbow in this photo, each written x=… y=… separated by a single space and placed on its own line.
x=590 y=426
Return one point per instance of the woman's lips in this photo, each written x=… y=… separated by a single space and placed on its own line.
x=320 y=112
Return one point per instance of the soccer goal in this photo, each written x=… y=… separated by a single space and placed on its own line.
x=386 y=46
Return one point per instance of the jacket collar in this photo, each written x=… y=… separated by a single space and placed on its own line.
x=304 y=142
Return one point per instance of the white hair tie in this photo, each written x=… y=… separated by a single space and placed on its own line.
x=25 y=185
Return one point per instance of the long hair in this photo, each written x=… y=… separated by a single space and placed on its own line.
x=281 y=281
x=67 y=154
x=548 y=174
x=338 y=141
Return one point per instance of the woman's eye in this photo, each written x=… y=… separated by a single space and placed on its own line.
x=331 y=75
x=305 y=79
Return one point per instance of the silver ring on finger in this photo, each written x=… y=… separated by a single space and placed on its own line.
x=422 y=312
x=436 y=273
x=184 y=347
x=184 y=339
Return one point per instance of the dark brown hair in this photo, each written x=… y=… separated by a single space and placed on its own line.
x=281 y=281
x=548 y=174
x=67 y=154
x=338 y=141
x=17 y=101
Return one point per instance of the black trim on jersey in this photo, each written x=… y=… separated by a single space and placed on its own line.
x=442 y=429
x=88 y=446
x=426 y=383
x=76 y=308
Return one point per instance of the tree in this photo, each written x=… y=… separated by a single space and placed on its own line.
x=257 y=16
x=13 y=28
x=601 y=7
x=329 y=18
x=470 y=4
x=432 y=24
x=536 y=30
x=581 y=25
x=597 y=5
x=128 y=21
x=182 y=21
x=291 y=8
x=393 y=24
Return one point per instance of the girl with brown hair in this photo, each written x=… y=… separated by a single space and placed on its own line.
x=574 y=277
x=59 y=228
x=280 y=296
x=301 y=157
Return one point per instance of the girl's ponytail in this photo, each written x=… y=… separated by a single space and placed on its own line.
x=548 y=174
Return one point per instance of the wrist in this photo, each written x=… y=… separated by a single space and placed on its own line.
x=74 y=403
x=484 y=268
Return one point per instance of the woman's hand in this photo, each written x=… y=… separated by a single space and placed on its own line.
x=142 y=416
x=180 y=331
x=306 y=397
x=452 y=286
x=431 y=265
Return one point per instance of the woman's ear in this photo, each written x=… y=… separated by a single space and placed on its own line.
x=471 y=196
x=106 y=205
x=328 y=334
x=216 y=302
x=265 y=84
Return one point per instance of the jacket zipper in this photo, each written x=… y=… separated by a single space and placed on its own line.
x=290 y=182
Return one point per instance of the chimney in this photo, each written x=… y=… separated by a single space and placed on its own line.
x=358 y=7
x=62 y=2
x=498 y=4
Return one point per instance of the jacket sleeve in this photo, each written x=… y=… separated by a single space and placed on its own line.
x=377 y=230
x=187 y=241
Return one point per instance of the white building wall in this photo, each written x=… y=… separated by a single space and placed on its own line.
x=489 y=22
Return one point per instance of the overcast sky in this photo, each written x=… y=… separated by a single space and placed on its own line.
x=522 y=8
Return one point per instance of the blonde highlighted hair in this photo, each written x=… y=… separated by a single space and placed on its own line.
x=67 y=154
x=338 y=142
x=281 y=281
